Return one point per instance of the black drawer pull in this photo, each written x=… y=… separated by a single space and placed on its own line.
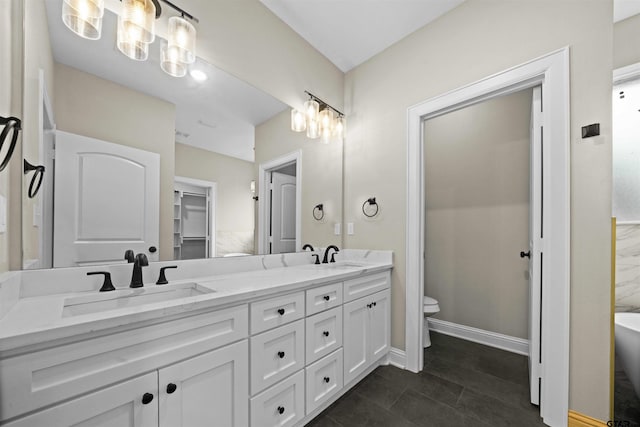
x=326 y=297
x=147 y=398
x=374 y=303
x=326 y=379
x=325 y=333
x=281 y=311
x=171 y=387
x=369 y=305
x=281 y=354
x=281 y=410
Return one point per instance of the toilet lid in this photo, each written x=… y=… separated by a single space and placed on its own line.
x=430 y=301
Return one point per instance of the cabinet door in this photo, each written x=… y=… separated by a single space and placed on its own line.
x=379 y=327
x=355 y=338
x=120 y=405
x=211 y=389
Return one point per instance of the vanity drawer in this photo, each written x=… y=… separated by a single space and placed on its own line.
x=324 y=379
x=324 y=298
x=276 y=354
x=41 y=378
x=323 y=333
x=282 y=405
x=276 y=311
x=367 y=285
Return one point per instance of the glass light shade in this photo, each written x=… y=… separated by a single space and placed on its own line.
x=134 y=49
x=313 y=129
x=298 y=123
x=339 y=128
x=326 y=121
x=326 y=134
x=182 y=38
x=169 y=60
x=311 y=108
x=138 y=20
x=84 y=17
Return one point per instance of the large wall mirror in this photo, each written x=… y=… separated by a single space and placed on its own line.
x=120 y=155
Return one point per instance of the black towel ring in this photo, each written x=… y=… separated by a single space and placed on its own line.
x=319 y=207
x=372 y=202
x=37 y=178
x=10 y=124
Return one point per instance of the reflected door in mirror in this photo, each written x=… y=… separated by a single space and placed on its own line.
x=283 y=213
x=107 y=201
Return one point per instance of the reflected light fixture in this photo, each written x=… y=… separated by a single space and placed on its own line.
x=136 y=30
x=319 y=119
x=198 y=75
x=84 y=17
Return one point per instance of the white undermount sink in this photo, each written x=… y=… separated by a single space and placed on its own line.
x=105 y=301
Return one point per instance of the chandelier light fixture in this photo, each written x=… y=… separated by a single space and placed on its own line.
x=136 y=30
x=319 y=119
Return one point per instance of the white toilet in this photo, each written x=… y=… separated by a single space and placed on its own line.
x=430 y=307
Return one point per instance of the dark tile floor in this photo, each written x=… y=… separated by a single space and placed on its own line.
x=462 y=384
x=626 y=404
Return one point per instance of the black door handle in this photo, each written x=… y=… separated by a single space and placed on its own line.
x=147 y=398
x=525 y=254
x=152 y=249
x=171 y=387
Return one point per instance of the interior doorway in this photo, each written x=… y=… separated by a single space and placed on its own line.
x=194 y=208
x=551 y=73
x=279 y=200
x=482 y=216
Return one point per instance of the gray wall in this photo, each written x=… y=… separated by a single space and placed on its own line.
x=477 y=194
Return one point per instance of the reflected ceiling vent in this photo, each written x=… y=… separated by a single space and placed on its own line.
x=209 y=125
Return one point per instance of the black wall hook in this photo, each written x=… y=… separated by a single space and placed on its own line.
x=320 y=208
x=11 y=124
x=371 y=201
x=36 y=179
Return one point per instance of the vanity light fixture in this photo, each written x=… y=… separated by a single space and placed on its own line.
x=84 y=17
x=319 y=119
x=136 y=30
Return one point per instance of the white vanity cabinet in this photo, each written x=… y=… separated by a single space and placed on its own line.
x=212 y=386
x=367 y=325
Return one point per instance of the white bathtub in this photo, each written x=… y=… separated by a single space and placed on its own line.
x=628 y=346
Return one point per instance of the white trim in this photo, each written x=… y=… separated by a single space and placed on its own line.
x=481 y=336
x=264 y=172
x=397 y=358
x=46 y=123
x=213 y=203
x=623 y=74
x=552 y=72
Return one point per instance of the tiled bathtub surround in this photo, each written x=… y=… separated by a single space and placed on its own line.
x=628 y=267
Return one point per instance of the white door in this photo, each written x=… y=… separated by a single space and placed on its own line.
x=132 y=403
x=355 y=339
x=207 y=390
x=107 y=201
x=535 y=246
x=283 y=213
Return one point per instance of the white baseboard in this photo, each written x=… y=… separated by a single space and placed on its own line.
x=492 y=339
x=397 y=358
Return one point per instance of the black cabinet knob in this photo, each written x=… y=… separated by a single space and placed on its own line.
x=374 y=303
x=281 y=354
x=152 y=249
x=525 y=254
x=368 y=305
x=281 y=311
x=326 y=379
x=326 y=297
x=171 y=387
x=281 y=410
x=147 y=398
x=325 y=333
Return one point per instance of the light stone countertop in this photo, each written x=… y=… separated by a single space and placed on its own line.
x=39 y=319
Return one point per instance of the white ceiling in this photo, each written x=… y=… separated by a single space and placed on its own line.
x=348 y=32
x=218 y=115
x=623 y=9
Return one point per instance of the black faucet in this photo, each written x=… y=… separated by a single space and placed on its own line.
x=325 y=259
x=129 y=255
x=307 y=246
x=136 y=278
